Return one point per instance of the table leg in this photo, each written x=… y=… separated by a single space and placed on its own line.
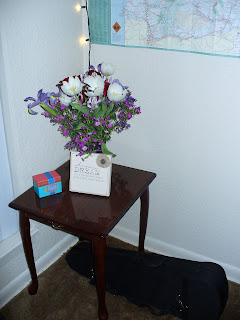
x=27 y=245
x=143 y=219
x=99 y=252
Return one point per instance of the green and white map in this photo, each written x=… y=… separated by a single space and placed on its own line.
x=201 y=26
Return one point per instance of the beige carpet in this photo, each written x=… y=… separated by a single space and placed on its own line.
x=65 y=295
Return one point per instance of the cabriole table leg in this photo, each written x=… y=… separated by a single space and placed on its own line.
x=27 y=245
x=99 y=252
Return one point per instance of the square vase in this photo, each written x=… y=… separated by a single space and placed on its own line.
x=91 y=174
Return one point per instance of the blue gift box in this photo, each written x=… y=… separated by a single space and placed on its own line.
x=47 y=184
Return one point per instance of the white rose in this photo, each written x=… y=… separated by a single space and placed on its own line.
x=95 y=86
x=72 y=87
x=116 y=92
x=107 y=68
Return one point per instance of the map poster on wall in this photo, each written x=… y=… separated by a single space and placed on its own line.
x=202 y=26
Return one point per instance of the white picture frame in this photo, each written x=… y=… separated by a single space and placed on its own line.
x=90 y=174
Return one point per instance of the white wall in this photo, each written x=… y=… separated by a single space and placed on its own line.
x=39 y=47
x=188 y=133
x=8 y=216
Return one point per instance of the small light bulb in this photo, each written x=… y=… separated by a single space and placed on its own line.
x=83 y=40
x=78 y=7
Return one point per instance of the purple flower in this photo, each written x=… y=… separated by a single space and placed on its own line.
x=63 y=107
x=131 y=107
x=46 y=98
x=84 y=140
x=129 y=115
x=122 y=125
x=121 y=115
x=70 y=145
x=97 y=123
x=84 y=148
x=138 y=110
x=93 y=102
x=118 y=82
x=103 y=123
x=65 y=132
x=110 y=125
x=74 y=117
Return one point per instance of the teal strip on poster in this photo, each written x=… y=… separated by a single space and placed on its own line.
x=118 y=22
x=99 y=13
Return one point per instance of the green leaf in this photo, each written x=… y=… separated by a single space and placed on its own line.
x=80 y=108
x=46 y=108
x=104 y=107
x=113 y=116
x=75 y=106
x=106 y=151
x=79 y=126
x=109 y=110
x=98 y=112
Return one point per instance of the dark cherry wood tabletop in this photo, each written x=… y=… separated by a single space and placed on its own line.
x=89 y=214
x=86 y=216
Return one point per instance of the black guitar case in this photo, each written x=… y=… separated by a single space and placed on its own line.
x=187 y=289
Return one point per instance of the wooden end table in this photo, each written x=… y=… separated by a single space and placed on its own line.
x=86 y=216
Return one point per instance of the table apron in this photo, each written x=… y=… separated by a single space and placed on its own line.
x=60 y=227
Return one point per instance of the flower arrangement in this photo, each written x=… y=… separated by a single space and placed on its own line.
x=88 y=108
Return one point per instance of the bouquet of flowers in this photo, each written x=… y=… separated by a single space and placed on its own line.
x=88 y=108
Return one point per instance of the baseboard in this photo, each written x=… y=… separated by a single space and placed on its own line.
x=157 y=246
x=19 y=283
x=11 y=247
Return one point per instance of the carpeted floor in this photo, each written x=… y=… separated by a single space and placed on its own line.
x=65 y=295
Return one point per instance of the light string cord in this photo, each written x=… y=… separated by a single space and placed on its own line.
x=89 y=36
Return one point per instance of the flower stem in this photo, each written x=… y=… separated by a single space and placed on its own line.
x=78 y=100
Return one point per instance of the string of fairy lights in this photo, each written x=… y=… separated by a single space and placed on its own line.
x=83 y=40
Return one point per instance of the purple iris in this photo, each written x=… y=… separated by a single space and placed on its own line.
x=46 y=98
x=117 y=81
x=99 y=67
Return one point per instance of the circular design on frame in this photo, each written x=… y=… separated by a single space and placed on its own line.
x=103 y=161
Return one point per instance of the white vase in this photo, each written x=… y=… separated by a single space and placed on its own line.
x=90 y=174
